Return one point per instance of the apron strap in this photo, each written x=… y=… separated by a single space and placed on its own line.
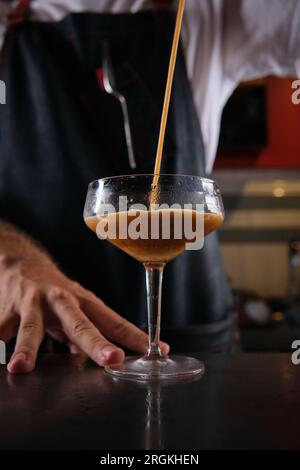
x=19 y=14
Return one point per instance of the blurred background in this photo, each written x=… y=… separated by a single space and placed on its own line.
x=258 y=170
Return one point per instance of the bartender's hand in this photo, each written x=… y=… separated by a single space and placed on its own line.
x=36 y=297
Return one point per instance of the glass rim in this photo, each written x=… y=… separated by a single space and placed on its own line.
x=106 y=178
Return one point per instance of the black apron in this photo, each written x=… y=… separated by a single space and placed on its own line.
x=59 y=131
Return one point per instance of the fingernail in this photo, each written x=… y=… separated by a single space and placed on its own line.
x=20 y=363
x=18 y=357
x=108 y=350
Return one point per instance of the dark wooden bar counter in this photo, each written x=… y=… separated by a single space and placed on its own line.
x=244 y=401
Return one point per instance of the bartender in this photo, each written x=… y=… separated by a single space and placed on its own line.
x=60 y=129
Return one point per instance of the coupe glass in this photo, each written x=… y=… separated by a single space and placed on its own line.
x=136 y=191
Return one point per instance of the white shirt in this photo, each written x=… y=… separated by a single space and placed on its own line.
x=225 y=42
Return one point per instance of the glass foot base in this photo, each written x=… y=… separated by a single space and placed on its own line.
x=149 y=369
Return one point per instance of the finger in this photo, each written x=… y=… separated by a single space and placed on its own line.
x=114 y=326
x=81 y=331
x=30 y=336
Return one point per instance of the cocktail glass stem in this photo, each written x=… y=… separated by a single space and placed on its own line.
x=154 y=275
